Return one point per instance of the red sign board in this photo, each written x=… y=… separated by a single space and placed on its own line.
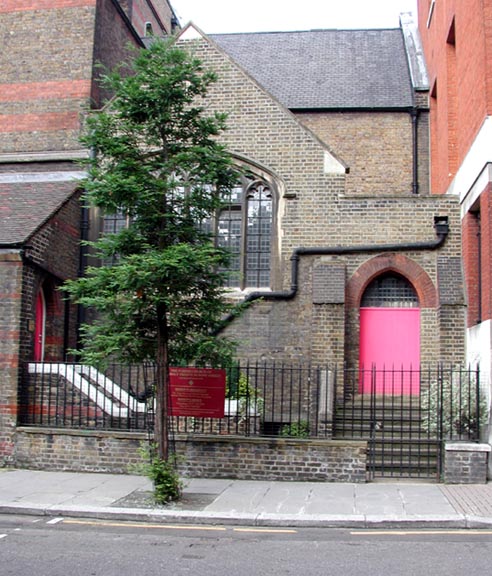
x=198 y=392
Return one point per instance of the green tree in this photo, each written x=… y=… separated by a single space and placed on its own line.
x=157 y=161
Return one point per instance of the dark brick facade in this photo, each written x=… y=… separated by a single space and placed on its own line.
x=48 y=84
x=321 y=206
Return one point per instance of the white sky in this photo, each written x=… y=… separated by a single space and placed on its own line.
x=220 y=16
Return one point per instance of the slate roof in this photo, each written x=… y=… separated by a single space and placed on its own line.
x=326 y=69
x=25 y=206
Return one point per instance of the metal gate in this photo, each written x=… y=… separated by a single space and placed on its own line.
x=406 y=432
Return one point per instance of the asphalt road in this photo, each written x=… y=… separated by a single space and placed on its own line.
x=76 y=547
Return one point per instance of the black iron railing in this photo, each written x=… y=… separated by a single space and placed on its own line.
x=260 y=399
x=404 y=415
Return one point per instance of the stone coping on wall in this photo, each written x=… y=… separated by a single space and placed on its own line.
x=219 y=438
x=88 y=433
x=467 y=447
x=272 y=440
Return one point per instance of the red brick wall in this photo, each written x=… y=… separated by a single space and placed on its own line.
x=458 y=66
x=54 y=257
x=10 y=295
x=46 y=73
x=477 y=258
x=141 y=12
x=486 y=243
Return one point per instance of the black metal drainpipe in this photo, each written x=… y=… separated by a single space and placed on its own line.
x=414 y=113
x=440 y=224
x=83 y=253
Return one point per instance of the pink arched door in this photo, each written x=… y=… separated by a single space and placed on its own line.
x=39 y=327
x=390 y=350
x=389 y=353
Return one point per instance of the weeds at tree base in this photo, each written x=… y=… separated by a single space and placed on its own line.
x=168 y=487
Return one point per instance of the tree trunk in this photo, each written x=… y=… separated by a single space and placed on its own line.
x=161 y=427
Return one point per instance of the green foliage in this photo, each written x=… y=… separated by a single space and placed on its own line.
x=295 y=429
x=155 y=156
x=167 y=485
x=238 y=385
x=239 y=388
x=453 y=407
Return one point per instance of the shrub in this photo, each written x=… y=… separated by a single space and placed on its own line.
x=164 y=475
x=295 y=429
x=248 y=397
x=452 y=407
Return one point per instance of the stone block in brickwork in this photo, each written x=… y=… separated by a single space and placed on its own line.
x=329 y=284
x=450 y=280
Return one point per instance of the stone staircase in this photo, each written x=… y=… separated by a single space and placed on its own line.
x=398 y=444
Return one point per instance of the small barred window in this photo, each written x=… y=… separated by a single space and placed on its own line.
x=390 y=291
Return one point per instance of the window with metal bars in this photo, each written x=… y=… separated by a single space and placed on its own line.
x=390 y=291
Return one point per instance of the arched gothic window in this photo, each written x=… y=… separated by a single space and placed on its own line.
x=244 y=226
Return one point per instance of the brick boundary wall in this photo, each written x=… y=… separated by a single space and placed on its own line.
x=466 y=463
x=203 y=457
x=276 y=459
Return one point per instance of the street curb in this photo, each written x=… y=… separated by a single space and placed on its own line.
x=373 y=522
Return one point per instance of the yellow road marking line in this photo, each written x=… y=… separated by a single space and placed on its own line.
x=418 y=532
x=176 y=526
x=134 y=525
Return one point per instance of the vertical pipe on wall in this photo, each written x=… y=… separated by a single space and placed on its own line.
x=83 y=253
x=414 y=113
x=479 y=267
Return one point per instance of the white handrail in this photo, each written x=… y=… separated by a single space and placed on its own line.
x=82 y=377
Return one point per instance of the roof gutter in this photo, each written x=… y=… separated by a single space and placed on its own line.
x=11 y=245
x=441 y=227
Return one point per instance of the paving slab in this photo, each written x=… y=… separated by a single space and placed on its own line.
x=332 y=499
x=423 y=499
x=379 y=499
x=241 y=496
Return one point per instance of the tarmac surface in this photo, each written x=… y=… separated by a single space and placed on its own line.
x=403 y=504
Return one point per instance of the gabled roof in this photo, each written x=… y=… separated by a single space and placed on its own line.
x=26 y=206
x=326 y=69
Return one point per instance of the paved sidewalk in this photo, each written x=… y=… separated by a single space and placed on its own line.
x=239 y=502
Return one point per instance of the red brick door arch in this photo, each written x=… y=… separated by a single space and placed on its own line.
x=391 y=262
